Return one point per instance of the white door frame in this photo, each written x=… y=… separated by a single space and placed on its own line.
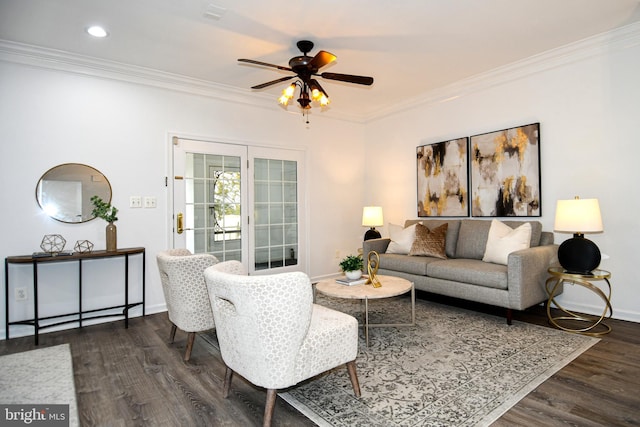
x=303 y=214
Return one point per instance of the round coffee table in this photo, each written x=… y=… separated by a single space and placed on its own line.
x=391 y=287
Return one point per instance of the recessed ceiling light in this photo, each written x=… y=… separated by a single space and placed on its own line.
x=97 y=31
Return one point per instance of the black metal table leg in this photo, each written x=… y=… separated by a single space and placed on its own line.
x=36 y=321
x=126 y=291
x=80 y=293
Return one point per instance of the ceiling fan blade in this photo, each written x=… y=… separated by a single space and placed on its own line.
x=263 y=85
x=321 y=59
x=265 y=64
x=361 y=80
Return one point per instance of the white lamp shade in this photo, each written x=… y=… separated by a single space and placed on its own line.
x=578 y=216
x=372 y=216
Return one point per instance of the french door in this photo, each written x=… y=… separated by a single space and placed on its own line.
x=240 y=203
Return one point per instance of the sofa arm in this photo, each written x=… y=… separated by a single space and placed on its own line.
x=527 y=273
x=378 y=245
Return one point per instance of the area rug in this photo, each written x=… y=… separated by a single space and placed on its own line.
x=39 y=377
x=453 y=368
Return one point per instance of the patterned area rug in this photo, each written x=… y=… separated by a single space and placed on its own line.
x=40 y=377
x=454 y=367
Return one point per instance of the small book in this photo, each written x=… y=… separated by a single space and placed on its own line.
x=350 y=282
x=51 y=254
x=41 y=254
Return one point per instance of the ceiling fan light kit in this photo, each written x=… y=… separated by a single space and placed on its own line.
x=317 y=94
x=305 y=68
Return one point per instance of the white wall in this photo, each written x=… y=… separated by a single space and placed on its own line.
x=586 y=104
x=50 y=117
x=586 y=100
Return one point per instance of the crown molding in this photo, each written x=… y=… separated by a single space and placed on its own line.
x=53 y=59
x=598 y=45
x=36 y=56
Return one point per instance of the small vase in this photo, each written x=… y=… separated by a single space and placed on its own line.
x=112 y=237
x=353 y=275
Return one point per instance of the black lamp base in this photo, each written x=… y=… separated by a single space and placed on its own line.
x=372 y=233
x=579 y=255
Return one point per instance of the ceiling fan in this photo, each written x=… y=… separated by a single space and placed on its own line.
x=305 y=68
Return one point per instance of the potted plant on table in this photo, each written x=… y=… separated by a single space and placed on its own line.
x=352 y=266
x=104 y=210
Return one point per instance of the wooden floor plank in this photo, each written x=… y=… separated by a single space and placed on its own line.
x=134 y=377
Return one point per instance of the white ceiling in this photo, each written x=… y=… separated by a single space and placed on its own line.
x=410 y=47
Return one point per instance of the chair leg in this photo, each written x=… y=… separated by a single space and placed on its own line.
x=353 y=376
x=191 y=338
x=269 y=407
x=172 y=334
x=228 y=374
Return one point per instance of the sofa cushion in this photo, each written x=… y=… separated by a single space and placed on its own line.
x=406 y=264
x=472 y=239
x=546 y=238
x=401 y=239
x=453 y=228
x=503 y=240
x=473 y=235
x=536 y=230
x=470 y=271
x=429 y=242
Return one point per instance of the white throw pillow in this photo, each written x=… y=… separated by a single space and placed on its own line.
x=503 y=240
x=401 y=239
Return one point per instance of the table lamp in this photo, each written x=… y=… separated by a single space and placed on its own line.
x=578 y=216
x=372 y=217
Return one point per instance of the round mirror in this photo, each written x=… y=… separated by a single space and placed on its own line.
x=64 y=192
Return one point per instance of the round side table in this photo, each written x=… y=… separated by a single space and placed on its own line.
x=554 y=283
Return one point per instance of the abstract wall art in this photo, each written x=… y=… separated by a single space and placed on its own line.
x=505 y=172
x=443 y=184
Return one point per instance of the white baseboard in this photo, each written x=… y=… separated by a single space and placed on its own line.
x=595 y=310
x=18 y=331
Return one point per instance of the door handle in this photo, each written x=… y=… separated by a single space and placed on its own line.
x=180 y=223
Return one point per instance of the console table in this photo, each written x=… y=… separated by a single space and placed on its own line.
x=35 y=261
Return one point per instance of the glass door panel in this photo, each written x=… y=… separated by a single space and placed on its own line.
x=275 y=208
x=208 y=196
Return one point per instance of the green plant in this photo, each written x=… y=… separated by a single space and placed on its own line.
x=104 y=210
x=351 y=263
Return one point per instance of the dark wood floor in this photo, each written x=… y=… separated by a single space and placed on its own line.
x=133 y=377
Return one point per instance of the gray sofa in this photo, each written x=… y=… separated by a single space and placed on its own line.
x=515 y=286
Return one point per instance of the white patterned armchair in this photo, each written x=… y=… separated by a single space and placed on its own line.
x=185 y=292
x=272 y=334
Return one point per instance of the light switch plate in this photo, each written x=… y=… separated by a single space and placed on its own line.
x=149 y=202
x=135 y=202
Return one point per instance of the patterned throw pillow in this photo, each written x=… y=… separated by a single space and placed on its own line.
x=430 y=242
